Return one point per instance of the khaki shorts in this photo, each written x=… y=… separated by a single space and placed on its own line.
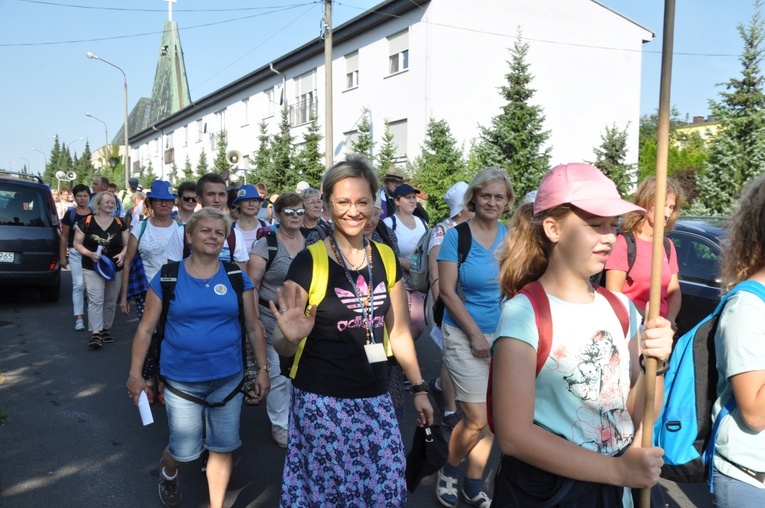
x=469 y=374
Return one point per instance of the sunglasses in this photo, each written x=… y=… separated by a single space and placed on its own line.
x=189 y=199
x=289 y=212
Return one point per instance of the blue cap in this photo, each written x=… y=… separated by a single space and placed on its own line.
x=404 y=190
x=105 y=267
x=160 y=189
x=247 y=192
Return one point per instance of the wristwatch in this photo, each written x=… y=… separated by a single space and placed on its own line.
x=421 y=387
x=266 y=367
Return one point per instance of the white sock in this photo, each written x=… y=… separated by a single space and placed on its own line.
x=437 y=386
x=164 y=475
x=447 y=413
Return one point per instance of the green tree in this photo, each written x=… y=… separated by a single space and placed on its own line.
x=737 y=152
x=309 y=161
x=49 y=175
x=363 y=144
x=648 y=140
x=174 y=174
x=146 y=176
x=282 y=176
x=188 y=171
x=611 y=156
x=386 y=155
x=84 y=167
x=439 y=166
x=202 y=167
x=261 y=159
x=221 y=161
x=516 y=140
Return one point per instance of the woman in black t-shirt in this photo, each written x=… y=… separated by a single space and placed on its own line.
x=69 y=256
x=344 y=444
x=111 y=234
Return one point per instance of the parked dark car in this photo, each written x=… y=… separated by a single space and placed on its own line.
x=699 y=244
x=29 y=235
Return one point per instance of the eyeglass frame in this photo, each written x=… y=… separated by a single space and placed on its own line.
x=356 y=205
x=189 y=199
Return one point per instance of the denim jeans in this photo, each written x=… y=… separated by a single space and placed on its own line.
x=78 y=282
x=732 y=493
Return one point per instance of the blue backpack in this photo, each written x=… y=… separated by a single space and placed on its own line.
x=684 y=427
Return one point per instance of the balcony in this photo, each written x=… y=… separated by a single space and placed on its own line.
x=301 y=112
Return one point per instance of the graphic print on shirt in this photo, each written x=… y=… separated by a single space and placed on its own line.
x=348 y=298
x=102 y=241
x=597 y=378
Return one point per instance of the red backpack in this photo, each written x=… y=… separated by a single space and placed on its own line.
x=539 y=301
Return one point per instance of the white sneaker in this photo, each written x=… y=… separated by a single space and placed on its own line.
x=79 y=325
x=279 y=435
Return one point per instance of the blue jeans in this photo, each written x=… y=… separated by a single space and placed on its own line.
x=78 y=282
x=193 y=426
x=732 y=493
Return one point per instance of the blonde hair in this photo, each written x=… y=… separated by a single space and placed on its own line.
x=526 y=252
x=207 y=212
x=744 y=253
x=99 y=196
x=481 y=180
x=645 y=197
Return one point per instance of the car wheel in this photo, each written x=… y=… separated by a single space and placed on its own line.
x=50 y=293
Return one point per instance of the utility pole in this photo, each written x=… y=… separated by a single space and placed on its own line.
x=329 y=144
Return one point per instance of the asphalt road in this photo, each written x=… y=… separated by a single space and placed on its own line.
x=73 y=438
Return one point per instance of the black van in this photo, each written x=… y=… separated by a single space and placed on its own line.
x=29 y=235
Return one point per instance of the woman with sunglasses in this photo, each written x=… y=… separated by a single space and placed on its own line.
x=187 y=202
x=248 y=202
x=267 y=272
x=345 y=446
x=148 y=240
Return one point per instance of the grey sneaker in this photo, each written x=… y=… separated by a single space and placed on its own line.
x=79 y=325
x=169 y=490
x=279 y=435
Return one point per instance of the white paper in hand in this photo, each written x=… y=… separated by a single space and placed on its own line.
x=145 y=409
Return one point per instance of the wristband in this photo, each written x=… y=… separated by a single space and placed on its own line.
x=660 y=371
x=421 y=387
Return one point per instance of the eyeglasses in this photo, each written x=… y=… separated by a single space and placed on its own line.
x=313 y=202
x=289 y=212
x=189 y=199
x=343 y=205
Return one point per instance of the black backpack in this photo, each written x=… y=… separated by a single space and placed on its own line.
x=464 y=242
x=599 y=279
x=168 y=279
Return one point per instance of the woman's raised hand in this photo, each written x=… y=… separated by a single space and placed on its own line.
x=290 y=313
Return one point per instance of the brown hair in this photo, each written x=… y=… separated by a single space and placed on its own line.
x=287 y=200
x=744 y=253
x=526 y=252
x=645 y=197
x=354 y=167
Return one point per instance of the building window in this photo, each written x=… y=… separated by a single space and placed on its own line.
x=352 y=70
x=306 y=102
x=220 y=117
x=186 y=135
x=246 y=112
x=398 y=52
x=398 y=130
x=269 y=102
x=201 y=128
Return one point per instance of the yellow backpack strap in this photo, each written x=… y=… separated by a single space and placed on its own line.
x=389 y=261
x=317 y=290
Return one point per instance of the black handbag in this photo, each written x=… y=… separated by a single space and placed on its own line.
x=428 y=454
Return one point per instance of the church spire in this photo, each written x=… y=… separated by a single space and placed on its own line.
x=170 y=93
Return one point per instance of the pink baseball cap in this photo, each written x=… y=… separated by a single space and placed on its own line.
x=585 y=187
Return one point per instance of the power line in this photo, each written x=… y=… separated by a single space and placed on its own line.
x=128 y=9
x=529 y=39
x=143 y=34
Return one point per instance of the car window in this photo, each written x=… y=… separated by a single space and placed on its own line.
x=23 y=206
x=698 y=259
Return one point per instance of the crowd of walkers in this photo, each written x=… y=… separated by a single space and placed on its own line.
x=303 y=302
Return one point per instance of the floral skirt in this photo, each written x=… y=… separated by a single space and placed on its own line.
x=343 y=452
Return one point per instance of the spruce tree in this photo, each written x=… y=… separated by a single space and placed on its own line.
x=202 y=167
x=84 y=167
x=439 y=166
x=174 y=175
x=221 y=161
x=363 y=144
x=49 y=175
x=261 y=159
x=147 y=176
x=188 y=171
x=386 y=156
x=610 y=158
x=737 y=152
x=282 y=176
x=516 y=141
x=309 y=161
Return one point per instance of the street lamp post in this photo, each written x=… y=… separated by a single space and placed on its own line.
x=106 y=130
x=72 y=142
x=45 y=159
x=29 y=164
x=127 y=148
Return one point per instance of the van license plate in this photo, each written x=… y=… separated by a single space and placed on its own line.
x=6 y=257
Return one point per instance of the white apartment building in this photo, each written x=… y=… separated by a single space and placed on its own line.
x=407 y=61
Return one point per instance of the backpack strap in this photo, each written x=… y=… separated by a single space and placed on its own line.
x=72 y=214
x=320 y=280
x=186 y=244
x=619 y=309
x=393 y=222
x=464 y=241
x=143 y=228
x=272 y=244
x=629 y=238
x=231 y=240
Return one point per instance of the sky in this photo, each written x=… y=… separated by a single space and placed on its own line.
x=47 y=83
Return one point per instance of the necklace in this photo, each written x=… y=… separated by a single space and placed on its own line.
x=367 y=303
x=344 y=259
x=196 y=275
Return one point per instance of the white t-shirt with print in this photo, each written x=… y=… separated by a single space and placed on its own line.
x=582 y=389
x=152 y=245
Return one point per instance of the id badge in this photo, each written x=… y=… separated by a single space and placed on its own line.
x=375 y=353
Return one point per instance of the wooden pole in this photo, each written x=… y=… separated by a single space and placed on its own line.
x=657 y=254
x=328 y=120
